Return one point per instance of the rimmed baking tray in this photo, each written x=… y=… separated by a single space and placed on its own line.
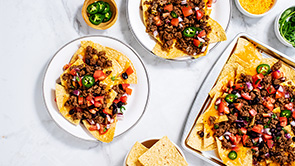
x=202 y=99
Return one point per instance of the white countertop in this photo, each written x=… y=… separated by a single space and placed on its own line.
x=32 y=31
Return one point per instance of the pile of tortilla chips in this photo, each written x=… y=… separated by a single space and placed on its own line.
x=161 y=153
x=120 y=63
x=216 y=35
x=244 y=59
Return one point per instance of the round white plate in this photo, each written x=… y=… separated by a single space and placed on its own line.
x=137 y=102
x=221 y=12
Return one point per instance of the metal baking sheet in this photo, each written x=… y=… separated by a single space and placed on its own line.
x=203 y=99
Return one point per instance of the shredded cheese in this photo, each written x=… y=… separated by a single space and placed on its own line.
x=256 y=6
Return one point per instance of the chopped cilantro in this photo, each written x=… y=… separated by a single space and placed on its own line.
x=266 y=126
x=114 y=78
x=269 y=121
x=273 y=116
x=216 y=126
x=216 y=107
x=278 y=138
x=292 y=100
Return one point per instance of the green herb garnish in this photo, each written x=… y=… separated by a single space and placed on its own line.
x=287 y=25
x=114 y=78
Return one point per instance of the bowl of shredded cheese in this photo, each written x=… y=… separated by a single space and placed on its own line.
x=255 y=8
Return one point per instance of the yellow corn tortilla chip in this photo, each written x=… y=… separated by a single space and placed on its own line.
x=244 y=155
x=109 y=101
x=162 y=153
x=137 y=150
x=113 y=78
x=76 y=63
x=196 y=142
x=61 y=97
x=108 y=136
x=217 y=34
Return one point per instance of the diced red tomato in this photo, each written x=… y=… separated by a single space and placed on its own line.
x=157 y=20
x=289 y=106
x=266 y=115
x=271 y=89
x=199 y=14
x=129 y=70
x=66 y=66
x=123 y=99
x=202 y=33
x=80 y=100
x=235 y=139
x=102 y=129
x=187 y=11
x=97 y=104
x=116 y=101
x=270 y=143
x=253 y=112
x=104 y=111
x=257 y=79
x=293 y=114
x=268 y=105
x=283 y=121
x=168 y=8
x=196 y=42
x=267 y=137
x=245 y=138
x=209 y=3
x=230 y=90
x=93 y=128
x=243 y=130
x=270 y=100
x=93 y=111
x=230 y=83
x=255 y=140
x=246 y=96
x=257 y=129
x=90 y=100
x=279 y=94
x=238 y=139
x=99 y=98
x=238 y=106
x=73 y=72
x=55 y=99
x=128 y=91
x=99 y=75
x=236 y=149
x=255 y=148
x=276 y=74
x=238 y=86
x=174 y=22
x=124 y=86
x=80 y=82
x=223 y=108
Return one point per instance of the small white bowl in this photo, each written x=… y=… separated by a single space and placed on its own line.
x=246 y=13
x=277 y=29
x=149 y=143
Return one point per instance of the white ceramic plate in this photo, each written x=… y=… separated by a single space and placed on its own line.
x=221 y=12
x=137 y=102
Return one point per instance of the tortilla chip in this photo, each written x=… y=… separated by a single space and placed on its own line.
x=108 y=136
x=109 y=101
x=244 y=155
x=137 y=150
x=61 y=97
x=217 y=34
x=76 y=63
x=113 y=78
x=162 y=153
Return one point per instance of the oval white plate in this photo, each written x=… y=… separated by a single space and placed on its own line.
x=221 y=13
x=137 y=102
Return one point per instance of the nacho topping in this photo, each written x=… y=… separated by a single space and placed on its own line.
x=185 y=23
x=260 y=109
x=256 y=6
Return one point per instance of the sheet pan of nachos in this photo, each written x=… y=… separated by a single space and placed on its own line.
x=244 y=112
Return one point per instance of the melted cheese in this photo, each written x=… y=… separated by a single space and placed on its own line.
x=256 y=6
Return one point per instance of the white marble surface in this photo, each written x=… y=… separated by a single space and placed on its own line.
x=32 y=31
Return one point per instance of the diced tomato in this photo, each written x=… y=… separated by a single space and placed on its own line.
x=55 y=99
x=196 y=42
x=257 y=79
x=255 y=140
x=267 y=137
x=104 y=111
x=236 y=149
x=230 y=83
x=271 y=90
x=124 y=86
x=157 y=20
x=209 y=3
x=276 y=74
x=116 y=101
x=199 y=14
x=230 y=90
x=243 y=130
x=174 y=22
x=283 y=121
x=238 y=106
x=123 y=99
x=238 y=86
x=268 y=105
x=158 y=23
x=168 y=8
x=255 y=148
x=97 y=104
x=99 y=98
x=90 y=100
x=238 y=140
x=279 y=94
x=202 y=33
x=289 y=106
x=99 y=75
x=257 y=129
x=224 y=88
x=270 y=100
x=245 y=138
x=66 y=66
x=93 y=128
x=266 y=115
x=129 y=70
x=80 y=82
x=187 y=11
x=235 y=139
x=73 y=72
x=93 y=111
x=102 y=129
x=80 y=100
x=293 y=114
x=246 y=96
x=270 y=143
x=253 y=112
x=128 y=91
x=223 y=108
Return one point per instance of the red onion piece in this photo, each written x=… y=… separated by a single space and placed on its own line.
x=214 y=1
x=292 y=123
x=76 y=69
x=267 y=155
x=98 y=126
x=220 y=138
x=238 y=95
x=155 y=33
x=120 y=116
x=287 y=95
x=90 y=121
x=227 y=133
x=204 y=49
x=249 y=85
x=109 y=119
x=259 y=86
x=183 y=2
x=281 y=89
x=180 y=19
x=288 y=136
x=196 y=8
x=76 y=92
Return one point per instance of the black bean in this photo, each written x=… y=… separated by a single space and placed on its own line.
x=258 y=122
x=231 y=105
x=119 y=104
x=293 y=139
x=278 y=134
x=120 y=86
x=202 y=134
x=279 y=128
x=87 y=61
x=261 y=144
x=159 y=9
x=95 y=94
x=271 y=153
x=124 y=76
x=272 y=130
x=93 y=115
x=276 y=86
x=103 y=114
x=250 y=102
x=234 y=92
x=239 y=125
x=72 y=111
x=115 y=111
x=256 y=100
x=97 y=83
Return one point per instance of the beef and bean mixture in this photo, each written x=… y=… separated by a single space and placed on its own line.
x=261 y=116
x=183 y=21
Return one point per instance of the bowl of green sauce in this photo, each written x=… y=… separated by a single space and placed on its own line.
x=285 y=26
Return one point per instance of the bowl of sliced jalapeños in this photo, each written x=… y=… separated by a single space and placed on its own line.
x=100 y=14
